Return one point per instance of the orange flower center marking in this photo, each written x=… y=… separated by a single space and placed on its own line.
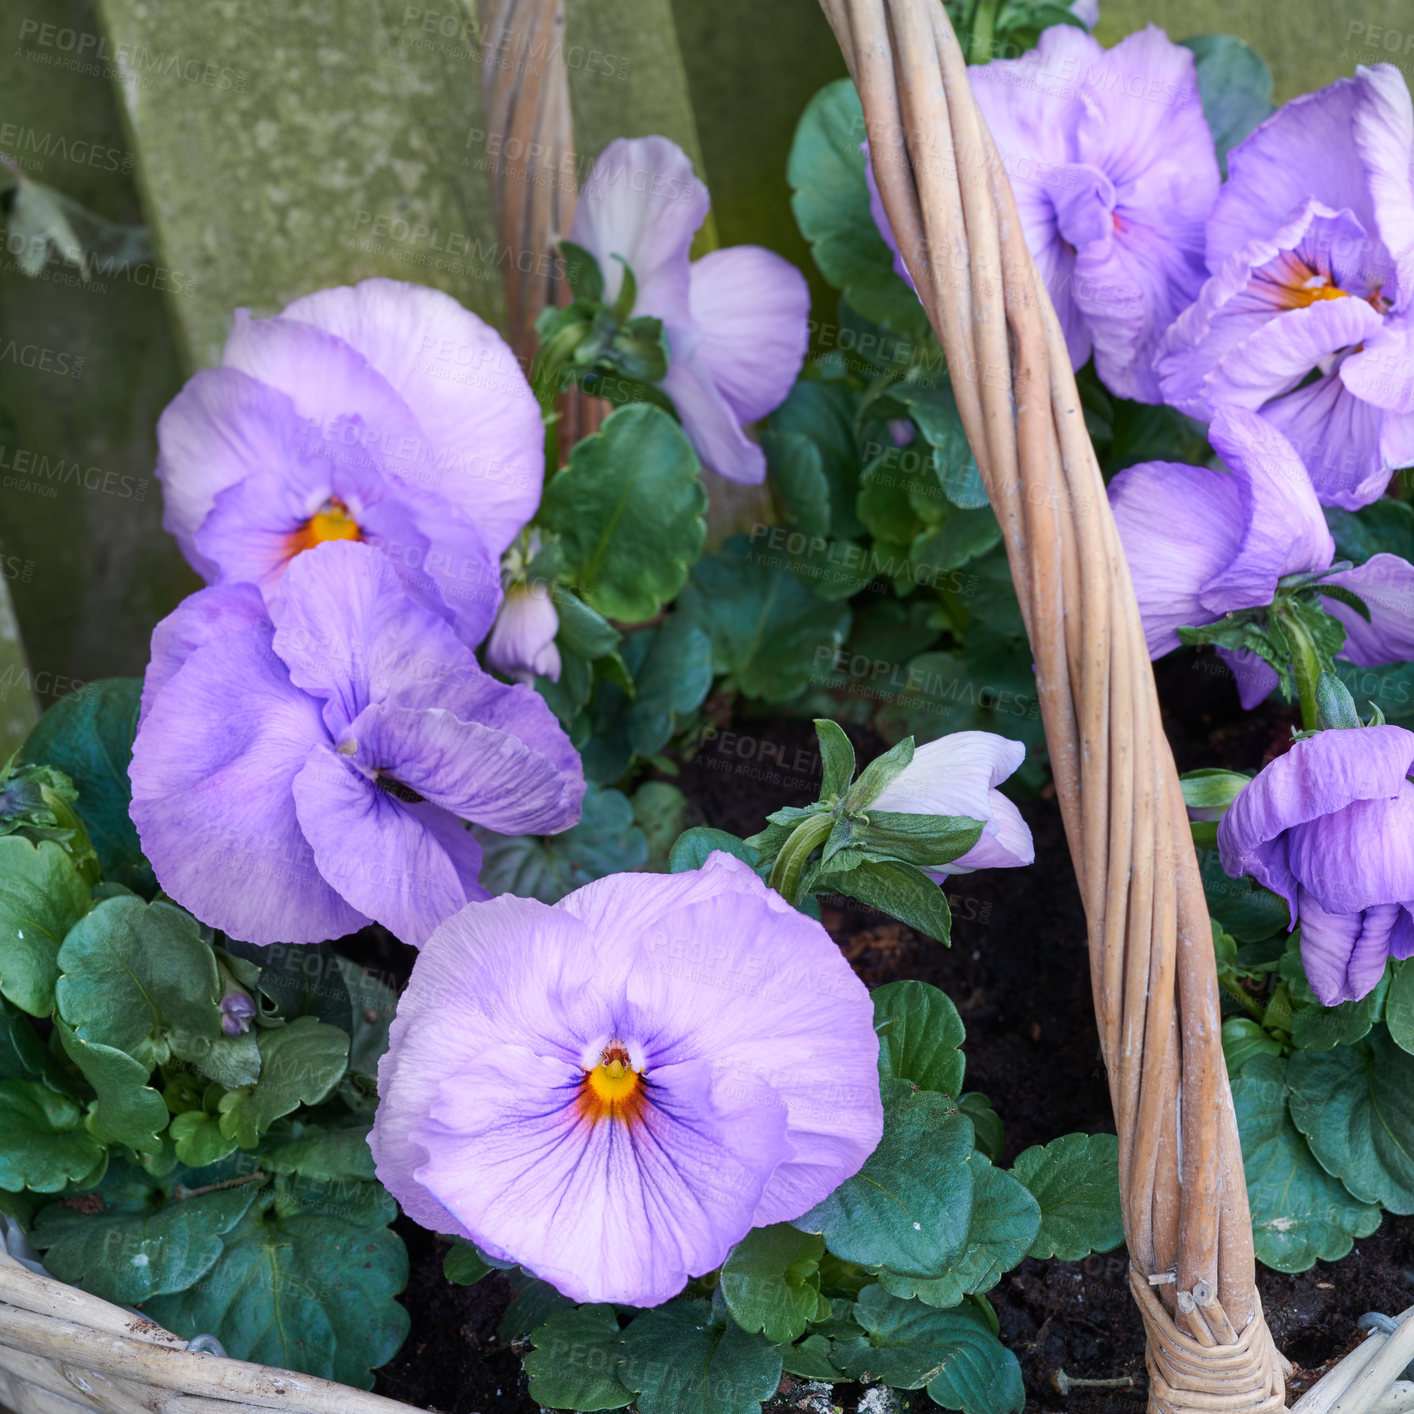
x=332 y=521
x=612 y=1089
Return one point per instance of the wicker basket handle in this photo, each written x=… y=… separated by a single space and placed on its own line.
x=1152 y=966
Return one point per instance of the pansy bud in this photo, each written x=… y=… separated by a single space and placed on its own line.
x=237 y=1010
x=959 y=775
x=522 y=643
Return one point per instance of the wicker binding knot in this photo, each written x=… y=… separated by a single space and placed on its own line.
x=1156 y=998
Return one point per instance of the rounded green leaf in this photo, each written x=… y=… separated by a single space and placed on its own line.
x=43 y=1144
x=920 y=1034
x=1355 y=1105
x=677 y=1358
x=628 y=509
x=1399 y=1005
x=1076 y=1181
x=1244 y=1038
x=300 y=1063
x=1300 y=1214
x=769 y=632
x=1005 y=1221
x=574 y=1363
x=301 y=1290
x=954 y=1353
x=139 y=977
x=771 y=1281
x=127 y=1109
x=910 y=1206
x=42 y=896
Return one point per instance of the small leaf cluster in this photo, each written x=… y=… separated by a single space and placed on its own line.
x=884 y=1281
x=1324 y=1095
x=183 y=1117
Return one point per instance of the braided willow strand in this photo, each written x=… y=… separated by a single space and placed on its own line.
x=1153 y=972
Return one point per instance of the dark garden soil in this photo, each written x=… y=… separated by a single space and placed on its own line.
x=1019 y=975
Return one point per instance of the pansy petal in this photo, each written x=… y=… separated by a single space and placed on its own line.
x=1179 y=525
x=208 y=614
x=463 y=386
x=1283 y=528
x=1359 y=855
x=1256 y=678
x=1306 y=148
x=1386 y=585
x=522 y=644
x=1383 y=133
x=212 y=773
x=710 y=423
x=642 y=201
x=1381 y=372
x=371 y=849
x=220 y=428
x=484 y=774
x=1344 y=954
x=751 y=307
x=1317 y=776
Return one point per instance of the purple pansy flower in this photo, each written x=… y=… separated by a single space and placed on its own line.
x=614 y=1090
x=959 y=775
x=301 y=771
x=1309 y=314
x=1114 y=172
x=1330 y=827
x=382 y=412
x=1203 y=543
x=736 y=320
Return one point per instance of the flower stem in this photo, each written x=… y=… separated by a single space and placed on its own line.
x=803 y=841
x=979 y=42
x=1305 y=662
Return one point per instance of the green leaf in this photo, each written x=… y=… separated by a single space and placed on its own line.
x=1211 y=788
x=1076 y=1181
x=301 y=979
x=920 y=1034
x=1319 y=1028
x=670 y=680
x=928 y=841
x=38 y=803
x=677 y=1358
x=465 y=1263
x=323 y=1155
x=1005 y=1221
x=1300 y=1214
x=877 y=775
x=127 y=1109
x=89 y=736
x=42 y=896
x=660 y=809
x=901 y=890
x=1244 y=1038
x=1244 y=908
x=770 y=633
x=575 y=1359
x=140 y=977
x=23 y=1056
x=374 y=1004
x=953 y=1353
x=809 y=1359
x=607 y=840
x=909 y=1207
x=130 y=1257
x=1235 y=86
x=302 y=1290
x=836 y=757
x=582 y=631
x=1399 y=1005
x=43 y=1145
x=196 y=1136
x=822 y=414
x=628 y=510
x=831 y=204
x=933 y=408
x=963 y=536
x=1355 y=1105
x=300 y=1063
x=798 y=470
x=986 y=1121
x=694 y=845
x=771 y=1281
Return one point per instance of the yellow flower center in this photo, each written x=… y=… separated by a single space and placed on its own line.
x=611 y=1090
x=332 y=521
